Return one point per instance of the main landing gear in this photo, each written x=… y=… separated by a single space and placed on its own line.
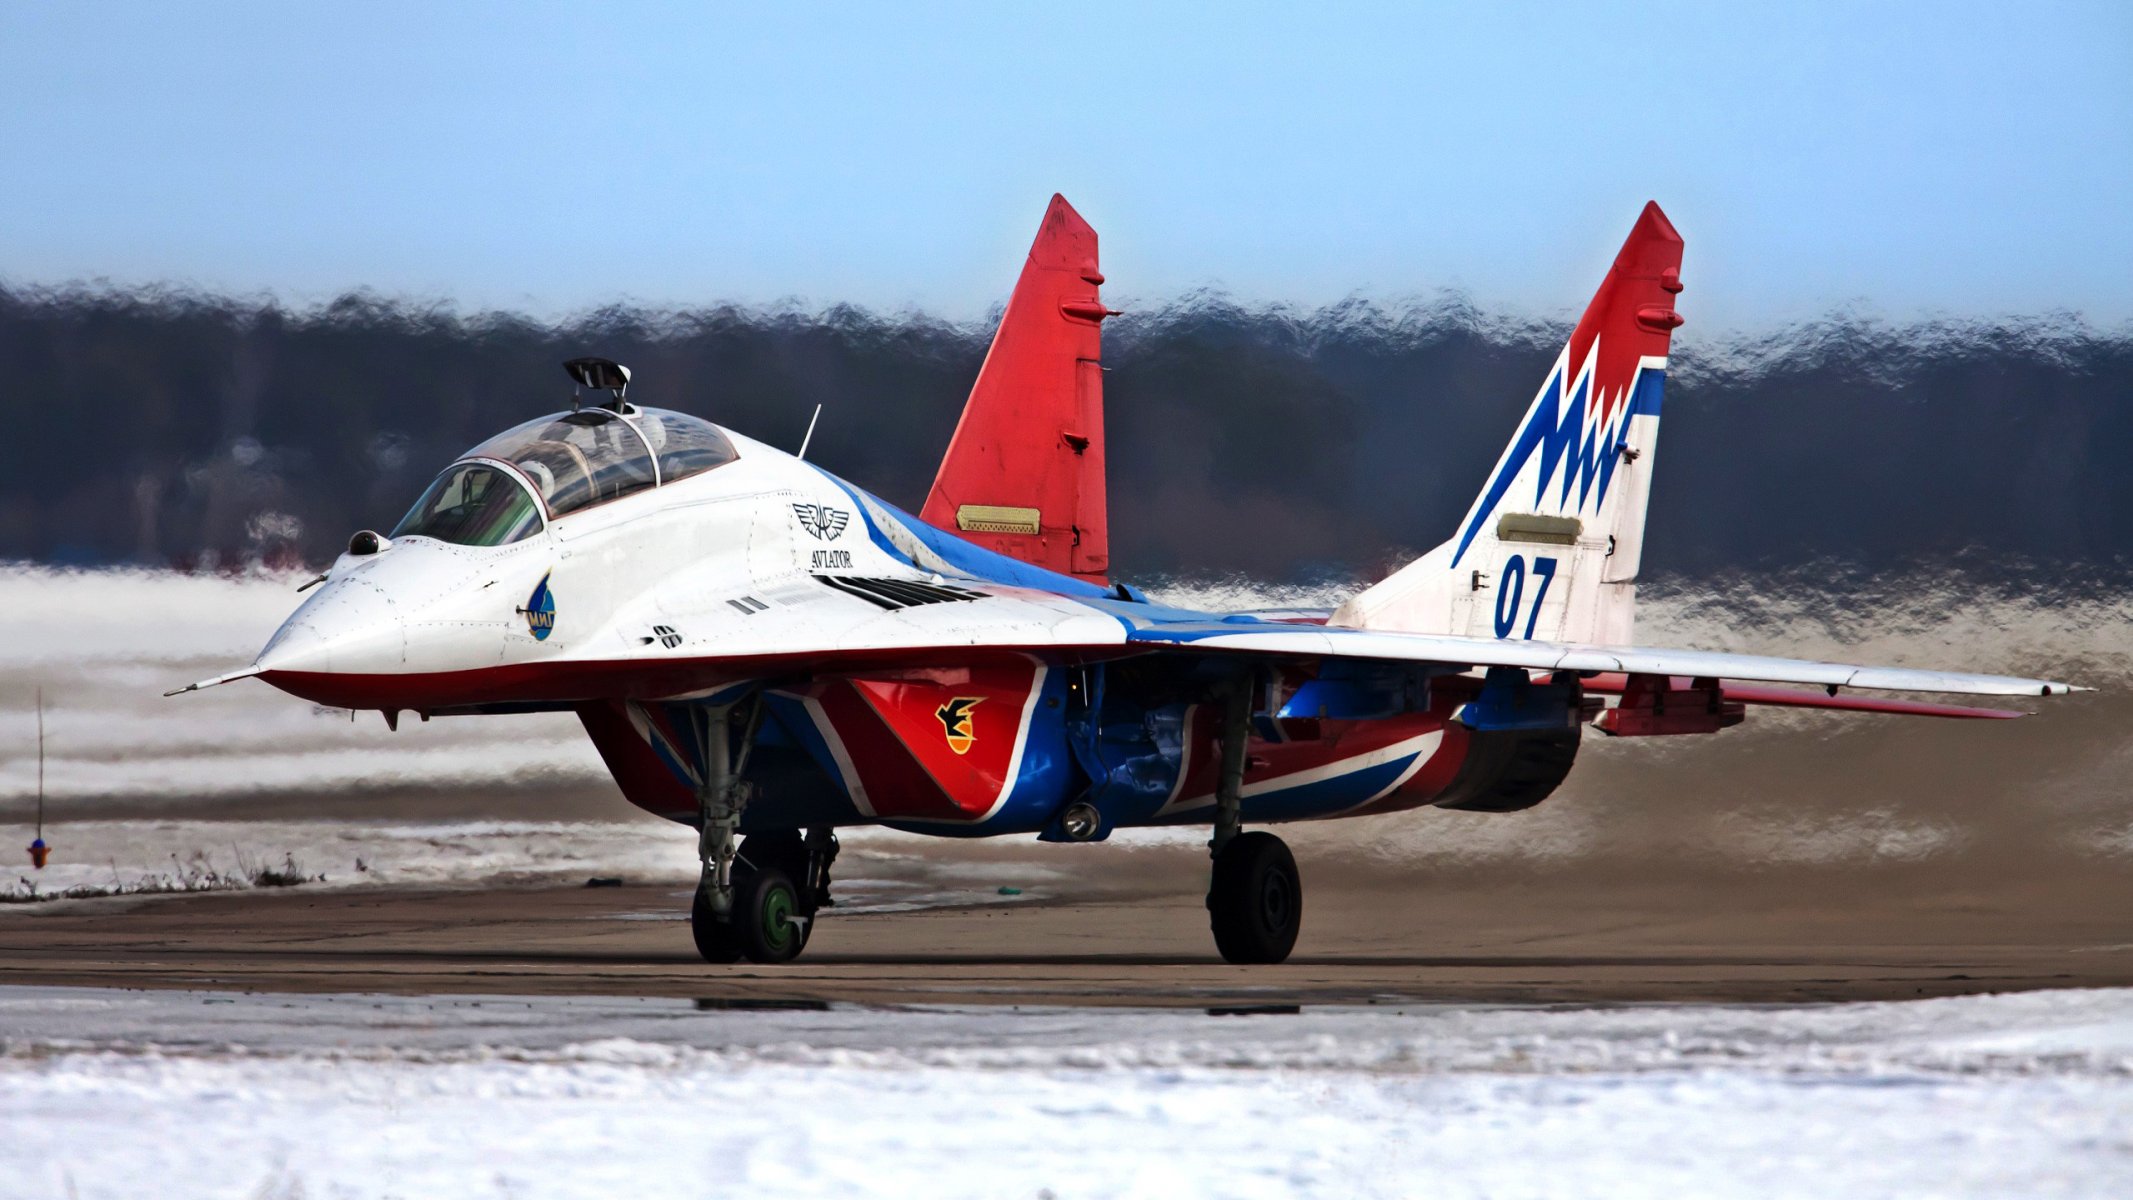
x=756 y=900
x=1255 y=903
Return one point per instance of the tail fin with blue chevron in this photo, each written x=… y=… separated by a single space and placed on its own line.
x=1551 y=548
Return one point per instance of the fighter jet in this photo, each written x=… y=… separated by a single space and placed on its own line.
x=766 y=653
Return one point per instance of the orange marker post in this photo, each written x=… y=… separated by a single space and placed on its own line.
x=39 y=852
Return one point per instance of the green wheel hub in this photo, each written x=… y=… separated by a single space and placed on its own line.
x=779 y=907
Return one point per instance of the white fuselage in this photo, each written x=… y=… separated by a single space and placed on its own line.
x=721 y=564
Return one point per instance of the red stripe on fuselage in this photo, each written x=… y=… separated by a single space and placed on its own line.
x=896 y=786
x=961 y=726
x=1339 y=740
x=645 y=779
x=1429 y=781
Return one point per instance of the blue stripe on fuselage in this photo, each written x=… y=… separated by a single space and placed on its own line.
x=973 y=561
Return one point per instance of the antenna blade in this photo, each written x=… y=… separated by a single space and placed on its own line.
x=810 y=432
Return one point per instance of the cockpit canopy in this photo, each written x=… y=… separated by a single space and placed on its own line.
x=570 y=461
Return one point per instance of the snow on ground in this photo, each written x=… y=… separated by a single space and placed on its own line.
x=877 y=870
x=367 y=853
x=126 y=1094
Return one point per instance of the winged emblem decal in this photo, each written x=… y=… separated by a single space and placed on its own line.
x=821 y=520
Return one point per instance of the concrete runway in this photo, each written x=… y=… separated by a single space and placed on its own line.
x=1130 y=930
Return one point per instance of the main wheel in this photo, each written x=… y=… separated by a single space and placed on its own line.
x=1255 y=905
x=773 y=925
x=718 y=941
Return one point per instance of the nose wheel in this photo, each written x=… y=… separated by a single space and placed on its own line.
x=718 y=939
x=778 y=883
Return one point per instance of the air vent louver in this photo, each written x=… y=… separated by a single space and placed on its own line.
x=893 y=594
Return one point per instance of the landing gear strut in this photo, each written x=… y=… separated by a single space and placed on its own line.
x=757 y=899
x=1255 y=903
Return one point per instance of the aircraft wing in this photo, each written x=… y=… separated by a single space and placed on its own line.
x=1338 y=642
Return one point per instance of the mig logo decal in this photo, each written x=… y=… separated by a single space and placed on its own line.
x=957 y=723
x=540 y=611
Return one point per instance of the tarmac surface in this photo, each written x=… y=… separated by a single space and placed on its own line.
x=1132 y=931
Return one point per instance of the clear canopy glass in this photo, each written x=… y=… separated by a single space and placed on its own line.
x=685 y=445
x=472 y=505
x=573 y=460
x=576 y=459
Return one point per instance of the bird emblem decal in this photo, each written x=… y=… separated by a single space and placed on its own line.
x=821 y=520
x=956 y=722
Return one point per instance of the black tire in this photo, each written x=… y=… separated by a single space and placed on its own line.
x=718 y=941
x=767 y=912
x=1255 y=905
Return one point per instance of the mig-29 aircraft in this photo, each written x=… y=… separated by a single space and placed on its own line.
x=762 y=651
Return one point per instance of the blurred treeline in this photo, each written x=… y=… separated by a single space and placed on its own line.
x=197 y=431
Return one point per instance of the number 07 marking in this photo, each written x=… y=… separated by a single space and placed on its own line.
x=1511 y=593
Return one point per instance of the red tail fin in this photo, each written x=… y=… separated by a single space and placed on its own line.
x=1024 y=474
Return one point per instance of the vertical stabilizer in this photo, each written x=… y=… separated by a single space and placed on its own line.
x=1551 y=548
x=1024 y=474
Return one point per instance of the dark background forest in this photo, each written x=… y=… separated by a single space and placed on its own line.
x=178 y=429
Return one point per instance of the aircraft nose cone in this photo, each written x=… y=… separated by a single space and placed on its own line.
x=349 y=626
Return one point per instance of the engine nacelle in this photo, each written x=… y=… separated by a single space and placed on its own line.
x=1506 y=770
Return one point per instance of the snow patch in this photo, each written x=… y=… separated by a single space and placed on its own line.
x=376 y=1096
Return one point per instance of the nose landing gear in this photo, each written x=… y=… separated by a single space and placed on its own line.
x=778 y=884
x=756 y=900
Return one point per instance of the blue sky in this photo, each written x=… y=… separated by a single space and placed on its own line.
x=1904 y=157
